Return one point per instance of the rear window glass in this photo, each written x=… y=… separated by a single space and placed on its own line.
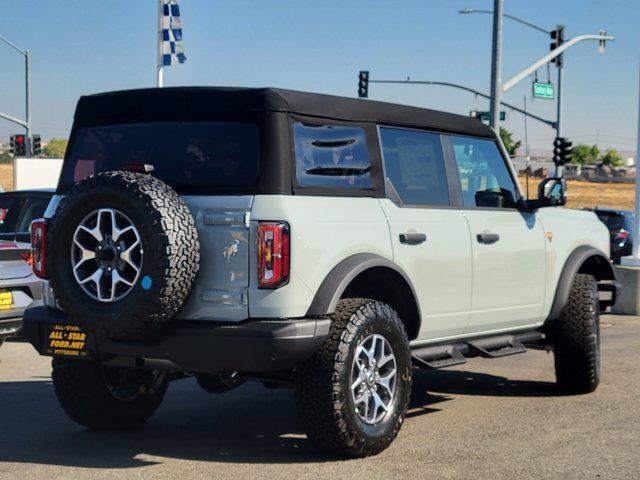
x=611 y=220
x=7 y=217
x=333 y=156
x=190 y=157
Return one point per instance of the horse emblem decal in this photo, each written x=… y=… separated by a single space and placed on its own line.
x=230 y=251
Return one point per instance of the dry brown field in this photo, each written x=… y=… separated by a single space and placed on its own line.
x=6 y=177
x=581 y=194
x=591 y=194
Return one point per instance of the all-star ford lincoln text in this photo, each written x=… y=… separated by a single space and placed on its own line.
x=329 y=244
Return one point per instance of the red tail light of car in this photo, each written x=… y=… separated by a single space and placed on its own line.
x=38 y=248
x=273 y=254
x=622 y=235
x=27 y=257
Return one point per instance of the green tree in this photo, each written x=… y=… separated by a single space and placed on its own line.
x=55 y=148
x=511 y=145
x=5 y=157
x=612 y=157
x=585 y=154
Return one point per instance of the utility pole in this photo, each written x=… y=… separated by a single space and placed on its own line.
x=496 y=65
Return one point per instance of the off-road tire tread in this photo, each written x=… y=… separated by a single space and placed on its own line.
x=177 y=241
x=318 y=390
x=575 y=338
x=84 y=397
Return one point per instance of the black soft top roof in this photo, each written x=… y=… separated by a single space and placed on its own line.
x=200 y=103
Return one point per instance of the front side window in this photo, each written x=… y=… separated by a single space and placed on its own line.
x=484 y=177
x=333 y=156
x=414 y=164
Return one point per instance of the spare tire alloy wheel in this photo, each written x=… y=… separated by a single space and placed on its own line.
x=106 y=255
x=123 y=254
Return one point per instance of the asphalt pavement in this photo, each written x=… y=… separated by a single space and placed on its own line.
x=499 y=419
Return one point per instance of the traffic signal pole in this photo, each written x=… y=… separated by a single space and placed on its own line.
x=27 y=76
x=27 y=123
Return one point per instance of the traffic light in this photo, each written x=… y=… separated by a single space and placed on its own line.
x=18 y=145
x=557 y=39
x=562 y=151
x=36 y=144
x=363 y=84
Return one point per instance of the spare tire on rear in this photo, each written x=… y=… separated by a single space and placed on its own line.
x=122 y=254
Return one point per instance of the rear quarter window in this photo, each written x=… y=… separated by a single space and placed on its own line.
x=332 y=156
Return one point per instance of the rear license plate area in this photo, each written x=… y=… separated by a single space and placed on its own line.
x=63 y=340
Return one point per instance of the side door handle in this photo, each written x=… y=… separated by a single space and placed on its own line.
x=412 y=238
x=488 y=238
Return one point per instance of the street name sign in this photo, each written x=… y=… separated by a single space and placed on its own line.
x=543 y=90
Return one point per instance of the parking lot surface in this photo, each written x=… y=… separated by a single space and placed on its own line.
x=486 y=419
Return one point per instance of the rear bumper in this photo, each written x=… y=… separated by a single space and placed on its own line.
x=10 y=326
x=252 y=346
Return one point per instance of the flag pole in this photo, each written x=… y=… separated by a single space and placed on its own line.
x=160 y=15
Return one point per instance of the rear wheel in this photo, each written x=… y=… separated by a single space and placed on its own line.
x=576 y=338
x=354 y=393
x=107 y=398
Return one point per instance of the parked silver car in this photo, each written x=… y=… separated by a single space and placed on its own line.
x=19 y=287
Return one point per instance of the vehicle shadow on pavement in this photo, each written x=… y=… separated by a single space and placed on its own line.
x=247 y=425
x=474 y=383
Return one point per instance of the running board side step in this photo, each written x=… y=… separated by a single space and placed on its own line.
x=440 y=356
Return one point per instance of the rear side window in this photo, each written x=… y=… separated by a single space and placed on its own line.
x=190 y=157
x=332 y=156
x=414 y=164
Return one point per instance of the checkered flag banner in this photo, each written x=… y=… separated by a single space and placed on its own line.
x=171 y=49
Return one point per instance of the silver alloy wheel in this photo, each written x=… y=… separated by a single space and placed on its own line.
x=373 y=378
x=106 y=255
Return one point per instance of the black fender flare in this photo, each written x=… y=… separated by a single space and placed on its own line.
x=338 y=279
x=571 y=267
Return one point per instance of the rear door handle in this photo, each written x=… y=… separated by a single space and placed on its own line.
x=488 y=238
x=413 y=238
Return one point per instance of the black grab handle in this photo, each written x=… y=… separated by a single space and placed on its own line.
x=412 y=238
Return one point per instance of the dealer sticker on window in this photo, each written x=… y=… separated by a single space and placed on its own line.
x=67 y=341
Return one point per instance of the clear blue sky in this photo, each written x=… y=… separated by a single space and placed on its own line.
x=85 y=46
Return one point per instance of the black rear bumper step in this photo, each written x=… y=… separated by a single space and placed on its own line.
x=440 y=356
x=253 y=346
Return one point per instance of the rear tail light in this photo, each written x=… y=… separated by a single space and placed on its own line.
x=273 y=254
x=27 y=257
x=38 y=247
x=622 y=235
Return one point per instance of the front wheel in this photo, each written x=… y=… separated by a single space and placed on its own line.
x=107 y=398
x=355 y=391
x=576 y=338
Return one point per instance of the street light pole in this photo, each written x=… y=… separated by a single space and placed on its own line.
x=496 y=64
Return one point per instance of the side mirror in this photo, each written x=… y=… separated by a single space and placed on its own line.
x=552 y=192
